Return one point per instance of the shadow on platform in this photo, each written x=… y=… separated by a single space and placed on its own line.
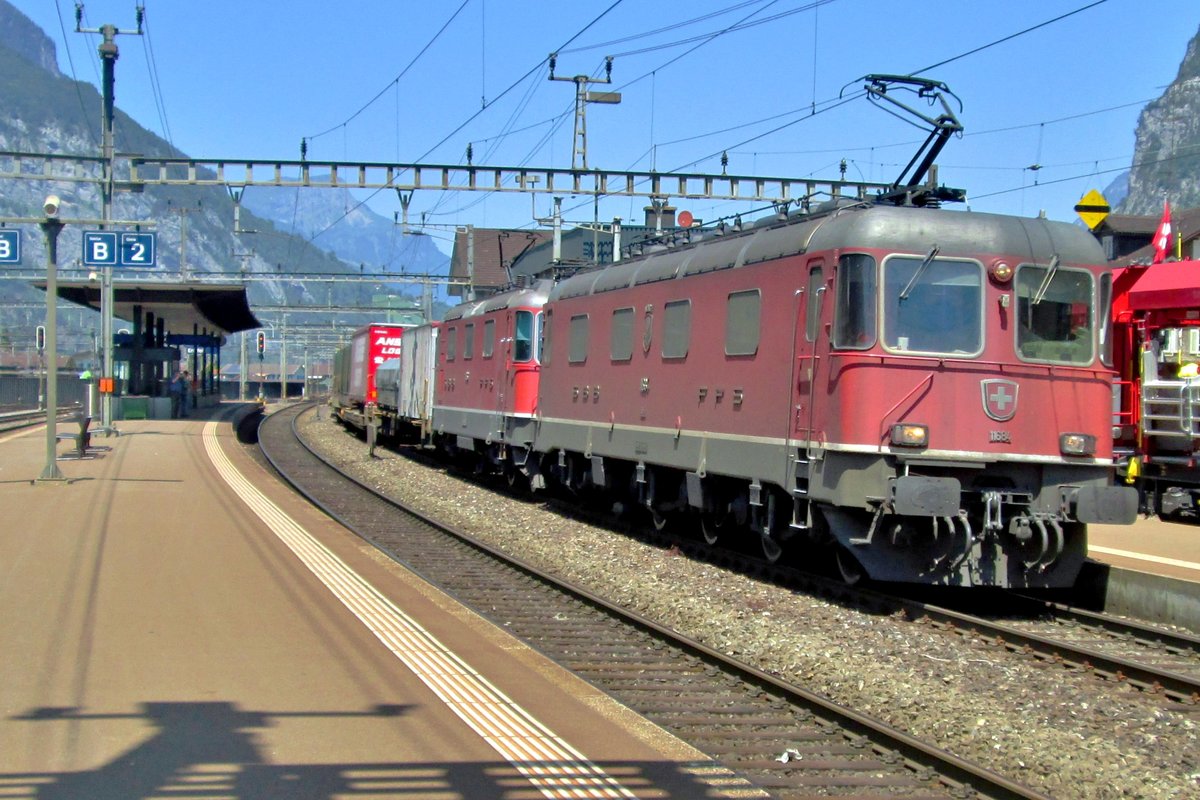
x=209 y=749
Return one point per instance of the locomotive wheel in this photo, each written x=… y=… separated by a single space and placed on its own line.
x=771 y=548
x=516 y=480
x=851 y=571
x=659 y=520
x=711 y=524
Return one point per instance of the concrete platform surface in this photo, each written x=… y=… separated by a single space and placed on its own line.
x=175 y=622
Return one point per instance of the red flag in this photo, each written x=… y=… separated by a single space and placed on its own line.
x=1162 y=236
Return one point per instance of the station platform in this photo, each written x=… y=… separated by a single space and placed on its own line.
x=176 y=622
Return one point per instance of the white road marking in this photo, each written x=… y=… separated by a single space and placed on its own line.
x=552 y=765
x=1171 y=562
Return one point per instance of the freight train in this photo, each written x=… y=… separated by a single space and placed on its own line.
x=922 y=393
x=1156 y=399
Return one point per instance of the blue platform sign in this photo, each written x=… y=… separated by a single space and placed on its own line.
x=99 y=248
x=138 y=249
x=10 y=247
x=110 y=249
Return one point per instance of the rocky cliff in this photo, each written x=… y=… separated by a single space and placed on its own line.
x=46 y=112
x=1166 y=164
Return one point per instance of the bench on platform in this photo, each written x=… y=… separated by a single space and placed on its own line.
x=82 y=439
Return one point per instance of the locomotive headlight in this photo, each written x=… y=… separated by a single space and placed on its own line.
x=909 y=435
x=1000 y=271
x=1077 y=444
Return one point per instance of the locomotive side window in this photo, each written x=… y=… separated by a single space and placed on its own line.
x=742 y=322
x=854 y=316
x=578 y=346
x=677 y=328
x=1106 y=355
x=1054 y=314
x=932 y=305
x=469 y=341
x=621 y=338
x=816 y=288
x=451 y=340
x=523 y=337
x=489 y=337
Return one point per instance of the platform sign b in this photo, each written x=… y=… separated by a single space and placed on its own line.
x=10 y=247
x=99 y=248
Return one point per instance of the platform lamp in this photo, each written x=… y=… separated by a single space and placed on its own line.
x=51 y=226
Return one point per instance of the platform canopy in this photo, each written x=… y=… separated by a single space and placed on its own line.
x=218 y=309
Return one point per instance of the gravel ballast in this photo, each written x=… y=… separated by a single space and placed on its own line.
x=1064 y=733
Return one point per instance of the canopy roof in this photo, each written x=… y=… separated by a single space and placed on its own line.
x=218 y=309
x=1169 y=285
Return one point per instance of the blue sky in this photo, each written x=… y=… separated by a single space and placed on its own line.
x=243 y=80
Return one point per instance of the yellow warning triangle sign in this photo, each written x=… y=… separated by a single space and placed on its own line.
x=1092 y=208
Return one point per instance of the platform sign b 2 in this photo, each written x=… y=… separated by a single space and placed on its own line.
x=10 y=247
x=105 y=249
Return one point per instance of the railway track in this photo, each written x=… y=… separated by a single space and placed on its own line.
x=24 y=418
x=780 y=737
x=1150 y=658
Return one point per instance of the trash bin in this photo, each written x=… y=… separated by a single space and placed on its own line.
x=135 y=407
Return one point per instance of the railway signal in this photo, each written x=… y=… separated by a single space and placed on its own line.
x=262 y=343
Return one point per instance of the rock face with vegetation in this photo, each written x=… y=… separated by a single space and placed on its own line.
x=1166 y=162
x=47 y=112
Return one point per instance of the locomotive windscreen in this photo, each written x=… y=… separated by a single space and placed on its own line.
x=933 y=306
x=1054 y=314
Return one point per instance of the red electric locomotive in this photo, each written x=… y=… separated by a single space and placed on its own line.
x=487 y=380
x=920 y=389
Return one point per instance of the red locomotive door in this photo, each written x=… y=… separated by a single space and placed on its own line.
x=811 y=347
x=519 y=390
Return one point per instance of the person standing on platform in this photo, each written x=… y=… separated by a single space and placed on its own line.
x=175 y=390
x=185 y=386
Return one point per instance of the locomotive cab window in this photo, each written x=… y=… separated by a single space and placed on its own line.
x=621 y=336
x=933 y=305
x=742 y=313
x=1106 y=356
x=1055 y=314
x=854 y=315
x=523 y=337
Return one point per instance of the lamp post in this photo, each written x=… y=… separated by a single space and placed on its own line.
x=51 y=227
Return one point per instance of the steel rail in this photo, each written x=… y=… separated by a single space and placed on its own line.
x=956 y=772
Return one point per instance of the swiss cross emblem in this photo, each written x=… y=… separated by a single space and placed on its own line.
x=999 y=398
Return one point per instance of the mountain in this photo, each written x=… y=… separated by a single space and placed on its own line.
x=335 y=221
x=46 y=112
x=1166 y=163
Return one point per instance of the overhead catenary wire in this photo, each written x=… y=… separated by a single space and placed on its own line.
x=395 y=81
x=489 y=104
x=160 y=104
x=84 y=115
x=842 y=101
